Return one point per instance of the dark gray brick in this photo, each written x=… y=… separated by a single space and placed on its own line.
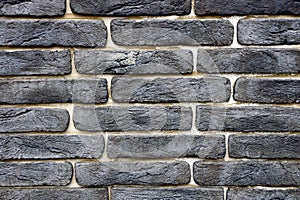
x=248 y=118
x=269 y=31
x=54 y=194
x=53 y=91
x=132 y=173
x=50 y=146
x=251 y=173
x=49 y=33
x=171 y=32
x=262 y=194
x=33 y=119
x=264 y=146
x=167 y=146
x=179 y=193
x=35 y=62
x=134 y=62
x=261 y=90
x=247 y=7
x=212 y=89
x=32 y=8
x=132 y=118
x=249 y=60
x=129 y=7
x=35 y=174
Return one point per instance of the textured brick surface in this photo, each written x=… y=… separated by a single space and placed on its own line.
x=35 y=62
x=247 y=7
x=267 y=90
x=33 y=119
x=264 y=146
x=132 y=173
x=248 y=118
x=58 y=194
x=133 y=118
x=247 y=173
x=53 y=91
x=261 y=194
x=35 y=174
x=269 y=31
x=192 y=193
x=248 y=60
x=49 y=33
x=171 y=32
x=129 y=7
x=134 y=62
x=212 y=147
x=38 y=8
x=50 y=146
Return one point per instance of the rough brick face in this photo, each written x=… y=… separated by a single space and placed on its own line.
x=134 y=62
x=35 y=62
x=171 y=32
x=128 y=7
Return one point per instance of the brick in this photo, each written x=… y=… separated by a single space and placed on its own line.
x=53 y=91
x=269 y=31
x=248 y=118
x=132 y=173
x=247 y=7
x=134 y=62
x=35 y=62
x=251 y=173
x=38 y=8
x=178 y=193
x=35 y=174
x=249 y=60
x=50 y=146
x=264 y=146
x=132 y=118
x=213 y=89
x=262 y=194
x=33 y=119
x=129 y=8
x=58 y=194
x=171 y=32
x=166 y=146
x=51 y=33
x=261 y=90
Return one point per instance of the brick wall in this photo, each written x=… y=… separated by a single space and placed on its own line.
x=150 y=99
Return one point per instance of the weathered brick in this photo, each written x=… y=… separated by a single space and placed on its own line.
x=51 y=194
x=53 y=91
x=249 y=60
x=167 y=146
x=247 y=7
x=262 y=194
x=132 y=173
x=264 y=146
x=33 y=119
x=179 y=193
x=213 y=89
x=132 y=118
x=171 y=32
x=49 y=33
x=134 y=62
x=50 y=146
x=35 y=174
x=269 y=31
x=262 y=90
x=128 y=7
x=35 y=62
x=248 y=118
x=37 y=8
x=251 y=173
